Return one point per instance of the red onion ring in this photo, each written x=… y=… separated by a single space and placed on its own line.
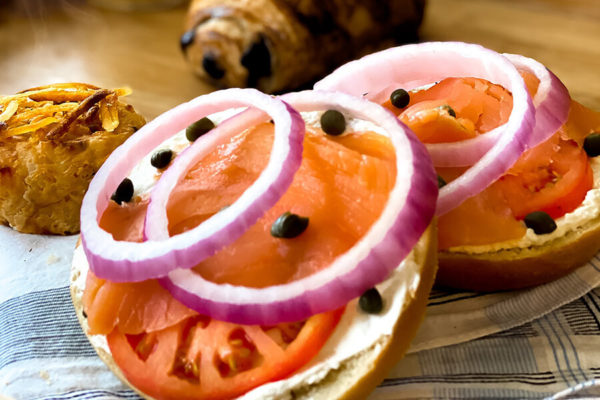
x=122 y=261
x=416 y=65
x=551 y=101
x=408 y=212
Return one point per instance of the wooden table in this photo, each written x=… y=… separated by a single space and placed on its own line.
x=73 y=41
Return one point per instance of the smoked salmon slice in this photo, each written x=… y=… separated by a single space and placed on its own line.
x=342 y=186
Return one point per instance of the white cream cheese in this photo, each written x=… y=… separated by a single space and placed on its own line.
x=588 y=210
x=144 y=176
x=78 y=278
x=356 y=332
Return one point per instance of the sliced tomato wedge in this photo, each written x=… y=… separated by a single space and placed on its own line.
x=553 y=177
x=200 y=358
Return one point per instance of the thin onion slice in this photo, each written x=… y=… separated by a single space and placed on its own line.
x=122 y=261
x=406 y=215
x=551 y=101
x=417 y=65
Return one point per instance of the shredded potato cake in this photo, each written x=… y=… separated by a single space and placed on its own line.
x=53 y=139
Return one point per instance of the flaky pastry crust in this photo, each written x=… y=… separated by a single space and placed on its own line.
x=53 y=139
x=277 y=45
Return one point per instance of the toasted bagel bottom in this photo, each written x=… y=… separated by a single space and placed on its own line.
x=518 y=268
x=360 y=374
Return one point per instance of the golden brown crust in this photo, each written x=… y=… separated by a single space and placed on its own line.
x=519 y=268
x=360 y=375
x=77 y=299
x=45 y=172
x=305 y=38
x=349 y=384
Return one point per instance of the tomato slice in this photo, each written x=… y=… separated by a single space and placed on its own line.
x=553 y=177
x=200 y=358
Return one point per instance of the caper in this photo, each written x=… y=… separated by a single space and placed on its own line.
x=161 y=158
x=591 y=144
x=333 y=122
x=400 y=98
x=540 y=222
x=198 y=128
x=371 y=301
x=441 y=182
x=450 y=110
x=124 y=191
x=289 y=225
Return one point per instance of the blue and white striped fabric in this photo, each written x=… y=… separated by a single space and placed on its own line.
x=471 y=345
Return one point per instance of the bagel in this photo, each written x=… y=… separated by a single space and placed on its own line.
x=344 y=354
x=495 y=224
x=357 y=375
x=524 y=263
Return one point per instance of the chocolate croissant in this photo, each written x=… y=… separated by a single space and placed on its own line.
x=277 y=45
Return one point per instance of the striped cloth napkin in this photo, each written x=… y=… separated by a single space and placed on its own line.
x=471 y=345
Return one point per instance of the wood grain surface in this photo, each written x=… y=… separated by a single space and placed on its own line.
x=68 y=40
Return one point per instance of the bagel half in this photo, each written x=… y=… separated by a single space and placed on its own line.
x=524 y=263
x=357 y=375
x=517 y=268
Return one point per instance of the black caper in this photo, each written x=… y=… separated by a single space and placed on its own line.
x=371 y=301
x=450 y=110
x=441 y=182
x=161 y=158
x=333 y=122
x=289 y=225
x=124 y=191
x=591 y=144
x=540 y=222
x=400 y=98
x=198 y=128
